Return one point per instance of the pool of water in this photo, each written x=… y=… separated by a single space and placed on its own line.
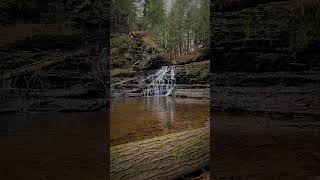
x=53 y=145
x=134 y=119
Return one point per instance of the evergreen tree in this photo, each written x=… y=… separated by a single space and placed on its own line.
x=201 y=27
x=183 y=29
x=124 y=16
x=154 y=14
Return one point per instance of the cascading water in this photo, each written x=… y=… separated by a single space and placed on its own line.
x=162 y=82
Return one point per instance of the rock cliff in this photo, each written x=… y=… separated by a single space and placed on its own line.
x=35 y=33
x=266 y=36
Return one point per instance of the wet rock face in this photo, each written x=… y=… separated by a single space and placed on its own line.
x=27 y=11
x=81 y=12
x=156 y=63
x=49 y=42
x=136 y=53
x=193 y=73
x=36 y=32
x=268 y=44
x=93 y=13
x=264 y=36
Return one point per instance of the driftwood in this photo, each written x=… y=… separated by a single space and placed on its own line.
x=124 y=81
x=58 y=58
x=164 y=157
x=32 y=68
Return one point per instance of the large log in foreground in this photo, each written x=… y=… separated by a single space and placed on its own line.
x=164 y=157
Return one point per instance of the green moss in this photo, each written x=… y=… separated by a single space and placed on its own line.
x=120 y=42
x=300 y=40
x=121 y=45
x=182 y=155
x=201 y=70
x=248 y=27
x=305 y=20
x=116 y=58
x=113 y=177
x=205 y=73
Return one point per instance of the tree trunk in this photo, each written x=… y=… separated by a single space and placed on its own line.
x=145 y=7
x=180 y=49
x=164 y=157
x=188 y=37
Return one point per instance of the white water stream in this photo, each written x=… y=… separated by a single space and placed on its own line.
x=162 y=82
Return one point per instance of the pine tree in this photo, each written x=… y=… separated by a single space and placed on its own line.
x=184 y=29
x=123 y=16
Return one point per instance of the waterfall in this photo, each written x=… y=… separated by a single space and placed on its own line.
x=162 y=82
x=103 y=65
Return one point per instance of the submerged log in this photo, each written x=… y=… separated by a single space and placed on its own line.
x=164 y=157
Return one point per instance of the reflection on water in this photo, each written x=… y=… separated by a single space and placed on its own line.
x=140 y=118
x=163 y=107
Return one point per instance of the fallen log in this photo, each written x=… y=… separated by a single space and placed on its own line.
x=124 y=81
x=31 y=68
x=165 y=157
